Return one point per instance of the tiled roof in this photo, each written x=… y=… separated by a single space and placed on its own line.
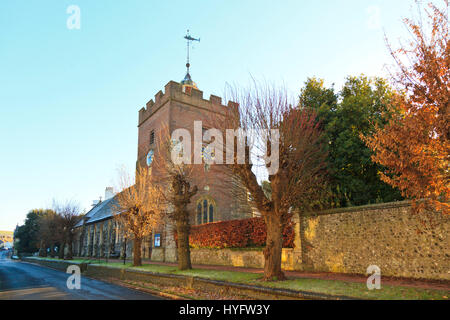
x=101 y=211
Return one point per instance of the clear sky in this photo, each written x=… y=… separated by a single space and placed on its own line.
x=69 y=98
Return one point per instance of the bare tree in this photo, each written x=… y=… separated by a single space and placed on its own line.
x=69 y=215
x=174 y=181
x=284 y=138
x=137 y=208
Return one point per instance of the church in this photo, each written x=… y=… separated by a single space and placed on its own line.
x=98 y=234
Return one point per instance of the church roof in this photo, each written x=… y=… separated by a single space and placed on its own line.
x=101 y=211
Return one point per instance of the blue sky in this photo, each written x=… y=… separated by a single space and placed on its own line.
x=69 y=99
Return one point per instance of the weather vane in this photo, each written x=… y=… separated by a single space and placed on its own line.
x=189 y=39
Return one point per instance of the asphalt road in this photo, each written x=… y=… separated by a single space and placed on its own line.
x=25 y=281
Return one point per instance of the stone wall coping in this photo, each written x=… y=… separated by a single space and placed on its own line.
x=61 y=261
x=237 y=249
x=376 y=206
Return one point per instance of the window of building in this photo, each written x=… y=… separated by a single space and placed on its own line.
x=211 y=213
x=205 y=210
x=199 y=213
x=152 y=137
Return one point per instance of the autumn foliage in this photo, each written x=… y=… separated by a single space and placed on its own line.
x=137 y=208
x=236 y=234
x=414 y=147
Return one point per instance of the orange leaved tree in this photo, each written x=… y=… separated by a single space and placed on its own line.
x=137 y=208
x=414 y=146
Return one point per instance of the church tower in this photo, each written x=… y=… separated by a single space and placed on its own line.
x=178 y=107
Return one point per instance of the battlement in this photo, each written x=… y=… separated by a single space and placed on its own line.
x=174 y=90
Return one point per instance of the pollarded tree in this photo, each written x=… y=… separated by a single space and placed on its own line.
x=295 y=160
x=415 y=146
x=137 y=208
x=174 y=180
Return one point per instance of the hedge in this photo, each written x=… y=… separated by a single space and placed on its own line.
x=236 y=234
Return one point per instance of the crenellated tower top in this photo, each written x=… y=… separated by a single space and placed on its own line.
x=176 y=91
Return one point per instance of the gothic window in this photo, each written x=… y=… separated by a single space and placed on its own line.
x=199 y=213
x=211 y=213
x=205 y=211
x=206 y=208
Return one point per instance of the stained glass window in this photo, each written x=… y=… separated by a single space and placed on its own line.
x=199 y=213
x=211 y=213
x=205 y=211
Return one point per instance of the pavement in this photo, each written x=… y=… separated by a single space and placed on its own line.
x=26 y=281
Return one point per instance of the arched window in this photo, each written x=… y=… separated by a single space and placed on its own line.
x=211 y=213
x=199 y=213
x=205 y=210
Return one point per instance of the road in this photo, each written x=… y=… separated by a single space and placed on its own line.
x=25 y=281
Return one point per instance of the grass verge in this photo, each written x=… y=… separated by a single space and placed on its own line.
x=330 y=287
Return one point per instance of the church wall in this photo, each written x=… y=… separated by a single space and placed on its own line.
x=155 y=123
x=216 y=182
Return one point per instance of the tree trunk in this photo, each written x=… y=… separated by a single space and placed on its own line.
x=81 y=243
x=61 y=250
x=42 y=249
x=274 y=246
x=184 y=252
x=52 y=250
x=69 y=255
x=137 y=261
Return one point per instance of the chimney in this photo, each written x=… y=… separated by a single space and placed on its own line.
x=109 y=193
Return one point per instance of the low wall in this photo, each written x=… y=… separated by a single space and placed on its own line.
x=164 y=254
x=61 y=265
x=389 y=236
x=349 y=240
x=238 y=258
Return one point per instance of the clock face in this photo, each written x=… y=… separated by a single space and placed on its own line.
x=150 y=155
